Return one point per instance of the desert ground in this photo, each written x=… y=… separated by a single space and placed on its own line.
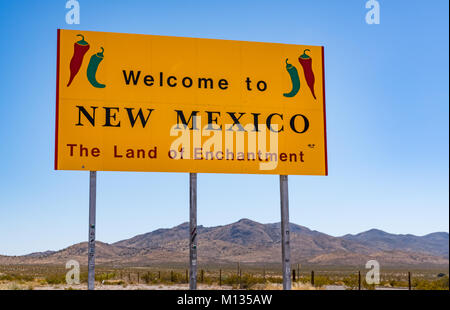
x=44 y=277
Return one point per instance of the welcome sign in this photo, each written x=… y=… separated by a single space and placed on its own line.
x=129 y=102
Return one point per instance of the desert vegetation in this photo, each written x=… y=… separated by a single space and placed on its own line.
x=29 y=277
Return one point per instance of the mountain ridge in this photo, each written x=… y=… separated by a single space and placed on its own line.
x=253 y=242
x=382 y=240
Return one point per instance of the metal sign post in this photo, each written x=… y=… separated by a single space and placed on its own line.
x=193 y=231
x=285 y=246
x=91 y=240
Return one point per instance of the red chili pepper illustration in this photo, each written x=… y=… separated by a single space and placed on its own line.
x=306 y=62
x=80 y=48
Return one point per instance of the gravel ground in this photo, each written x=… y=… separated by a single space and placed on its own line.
x=35 y=286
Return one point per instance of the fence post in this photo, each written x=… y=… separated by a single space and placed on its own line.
x=293 y=275
x=240 y=277
x=220 y=277
x=359 y=280
x=409 y=280
x=312 y=277
x=202 y=276
x=138 y=277
x=159 y=275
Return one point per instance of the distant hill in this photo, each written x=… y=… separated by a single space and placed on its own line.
x=435 y=243
x=248 y=241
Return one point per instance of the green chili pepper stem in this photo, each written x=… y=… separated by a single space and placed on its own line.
x=304 y=55
x=288 y=65
x=101 y=53
x=82 y=41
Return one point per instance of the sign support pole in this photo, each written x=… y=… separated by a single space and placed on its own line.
x=285 y=245
x=193 y=231
x=91 y=240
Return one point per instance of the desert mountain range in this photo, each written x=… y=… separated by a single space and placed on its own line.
x=251 y=242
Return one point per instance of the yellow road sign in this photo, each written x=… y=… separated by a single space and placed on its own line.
x=129 y=102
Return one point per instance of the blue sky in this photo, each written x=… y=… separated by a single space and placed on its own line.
x=387 y=117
